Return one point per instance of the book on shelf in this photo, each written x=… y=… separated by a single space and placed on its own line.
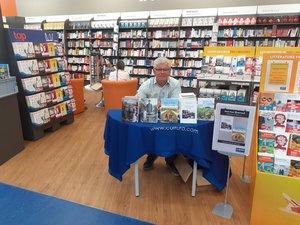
x=67 y=92
x=293 y=123
x=28 y=67
x=266 y=120
x=55 y=80
x=63 y=109
x=280 y=119
x=44 y=49
x=53 y=65
x=32 y=84
x=294 y=145
x=293 y=103
x=282 y=166
x=41 y=66
x=148 y=110
x=206 y=109
x=130 y=109
x=23 y=50
x=36 y=101
x=266 y=101
x=37 y=50
x=281 y=144
x=65 y=78
x=265 y=163
x=266 y=142
x=294 y=168
x=40 y=117
x=169 y=110
x=59 y=49
x=51 y=49
x=71 y=105
x=188 y=108
x=280 y=101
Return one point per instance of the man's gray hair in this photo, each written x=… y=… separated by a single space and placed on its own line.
x=161 y=60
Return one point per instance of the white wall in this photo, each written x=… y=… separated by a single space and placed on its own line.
x=68 y=7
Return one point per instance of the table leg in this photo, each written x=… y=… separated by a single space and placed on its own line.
x=194 y=179
x=136 y=179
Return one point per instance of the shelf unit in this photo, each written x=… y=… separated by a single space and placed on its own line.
x=133 y=46
x=45 y=96
x=143 y=36
x=104 y=42
x=78 y=48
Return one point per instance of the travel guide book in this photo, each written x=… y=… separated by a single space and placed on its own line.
x=206 y=108
x=148 y=110
x=169 y=110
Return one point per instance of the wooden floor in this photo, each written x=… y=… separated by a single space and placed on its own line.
x=70 y=164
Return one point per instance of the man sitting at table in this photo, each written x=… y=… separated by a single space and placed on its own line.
x=160 y=86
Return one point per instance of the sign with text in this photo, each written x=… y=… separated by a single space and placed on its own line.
x=199 y=12
x=283 y=8
x=243 y=10
x=280 y=73
x=233 y=128
x=35 y=36
x=229 y=51
x=260 y=51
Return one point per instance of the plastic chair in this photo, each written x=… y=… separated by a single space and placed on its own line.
x=114 y=91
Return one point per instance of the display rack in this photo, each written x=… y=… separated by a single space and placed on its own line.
x=133 y=43
x=275 y=148
x=104 y=40
x=45 y=96
x=77 y=47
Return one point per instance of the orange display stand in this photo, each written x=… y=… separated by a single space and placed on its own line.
x=276 y=198
x=78 y=94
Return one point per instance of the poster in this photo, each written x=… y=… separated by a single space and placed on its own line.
x=233 y=128
x=278 y=75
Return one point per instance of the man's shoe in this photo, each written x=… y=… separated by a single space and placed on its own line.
x=148 y=164
x=173 y=169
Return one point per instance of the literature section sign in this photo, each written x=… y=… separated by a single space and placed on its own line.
x=276 y=190
x=281 y=73
x=233 y=128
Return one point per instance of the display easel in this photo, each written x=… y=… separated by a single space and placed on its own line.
x=232 y=138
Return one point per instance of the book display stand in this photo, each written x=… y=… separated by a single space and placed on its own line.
x=276 y=143
x=45 y=94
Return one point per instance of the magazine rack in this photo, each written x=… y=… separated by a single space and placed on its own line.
x=48 y=78
x=273 y=192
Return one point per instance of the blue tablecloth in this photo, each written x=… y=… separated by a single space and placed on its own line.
x=126 y=142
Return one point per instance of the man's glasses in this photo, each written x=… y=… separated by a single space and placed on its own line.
x=162 y=70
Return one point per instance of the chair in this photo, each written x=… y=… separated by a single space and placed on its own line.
x=114 y=91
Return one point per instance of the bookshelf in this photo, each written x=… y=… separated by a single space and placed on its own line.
x=133 y=46
x=104 y=42
x=45 y=94
x=78 y=48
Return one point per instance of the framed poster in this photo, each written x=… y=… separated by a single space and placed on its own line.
x=233 y=128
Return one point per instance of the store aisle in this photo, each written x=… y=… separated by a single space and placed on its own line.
x=70 y=164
